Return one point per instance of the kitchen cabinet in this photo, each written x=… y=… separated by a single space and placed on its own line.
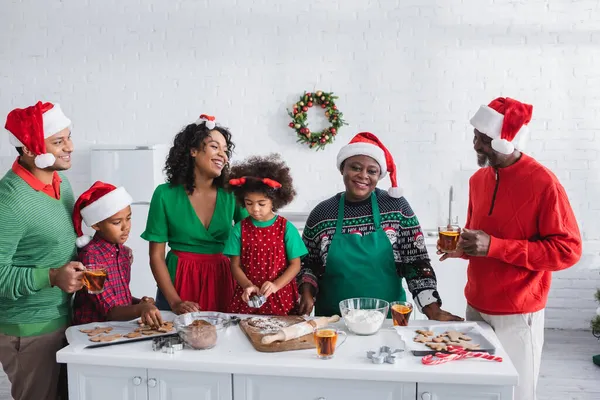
x=118 y=383
x=257 y=387
x=463 y=392
x=177 y=385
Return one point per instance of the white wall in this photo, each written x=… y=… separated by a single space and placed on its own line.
x=411 y=71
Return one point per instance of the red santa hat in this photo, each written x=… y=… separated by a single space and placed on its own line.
x=30 y=126
x=367 y=144
x=96 y=204
x=209 y=120
x=505 y=121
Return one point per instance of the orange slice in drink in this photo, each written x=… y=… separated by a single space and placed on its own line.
x=402 y=309
x=326 y=333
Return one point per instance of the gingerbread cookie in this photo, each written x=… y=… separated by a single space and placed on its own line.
x=465 y=345
x=105 y=338
x=96 y=331
x=456 y=336
x=421 y=339
x=439 y=339
x=425 y=333
x=166 y=327
x=151 y=332
x=133 y=335
x=436 y=346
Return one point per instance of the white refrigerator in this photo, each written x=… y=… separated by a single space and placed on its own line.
x=139 y=169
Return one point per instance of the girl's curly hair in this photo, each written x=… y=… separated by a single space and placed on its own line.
x=179 y=166
x=272 y=167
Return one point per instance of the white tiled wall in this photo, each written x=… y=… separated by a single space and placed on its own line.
x=410 y=71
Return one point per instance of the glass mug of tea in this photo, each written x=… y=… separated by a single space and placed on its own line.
x=94 y=277
x=326 y=341
x=448 y=238
x=401 y=311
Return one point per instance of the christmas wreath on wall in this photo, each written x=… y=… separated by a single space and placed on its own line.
x=299 y=114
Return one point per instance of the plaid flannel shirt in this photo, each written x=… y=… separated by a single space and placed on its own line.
x=117 y=260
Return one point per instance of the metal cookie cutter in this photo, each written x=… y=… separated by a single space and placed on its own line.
x=257 y=301
x=385 y=354
x=167 y=344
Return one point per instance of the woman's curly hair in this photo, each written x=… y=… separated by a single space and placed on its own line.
x=179 y=166
x=256 y=168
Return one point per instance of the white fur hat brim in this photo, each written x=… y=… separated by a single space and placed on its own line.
x=489 y=122
x=106 y=206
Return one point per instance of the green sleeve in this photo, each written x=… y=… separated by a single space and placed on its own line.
x=294 y=245
x=233 y=246
x=157 y=228
x=16 y=282
x=240 y=213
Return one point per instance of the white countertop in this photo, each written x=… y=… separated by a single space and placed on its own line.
x=235 y=355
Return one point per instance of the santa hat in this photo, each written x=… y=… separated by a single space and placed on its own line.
x=30 y=126
x=367 y=144
x=209 y=120
x=505 y=121
x=96 y=204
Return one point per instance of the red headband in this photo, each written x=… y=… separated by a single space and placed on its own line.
x=269 y=182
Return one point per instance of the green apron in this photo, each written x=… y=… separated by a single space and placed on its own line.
x=358 y=266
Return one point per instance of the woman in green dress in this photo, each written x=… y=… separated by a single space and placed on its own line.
x=193 y=215
x=363 y=241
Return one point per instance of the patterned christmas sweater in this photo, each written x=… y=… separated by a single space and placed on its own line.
x=399 y=223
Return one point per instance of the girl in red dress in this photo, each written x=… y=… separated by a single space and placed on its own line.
x=265 y=249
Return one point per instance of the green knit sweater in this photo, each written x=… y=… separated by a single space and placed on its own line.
x=36 y=234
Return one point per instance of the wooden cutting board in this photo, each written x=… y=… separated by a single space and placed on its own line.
x=255 y=334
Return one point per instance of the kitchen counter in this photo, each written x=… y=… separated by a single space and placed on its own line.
x=251 y=374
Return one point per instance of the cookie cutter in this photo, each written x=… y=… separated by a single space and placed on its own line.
x=257 y=301
x=385 y=354
x=167 y=344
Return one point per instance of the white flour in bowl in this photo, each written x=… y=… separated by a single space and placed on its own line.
x=364 y=322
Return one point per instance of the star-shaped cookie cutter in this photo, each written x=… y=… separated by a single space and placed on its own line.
x=257 y=301
x=385 y=354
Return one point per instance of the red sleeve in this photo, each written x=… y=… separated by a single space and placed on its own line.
x=559 y=244
x=105 y=301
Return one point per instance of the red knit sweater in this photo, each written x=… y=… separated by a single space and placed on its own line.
x=533 y=232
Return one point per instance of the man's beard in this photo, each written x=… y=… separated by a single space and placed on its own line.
x=483 y=160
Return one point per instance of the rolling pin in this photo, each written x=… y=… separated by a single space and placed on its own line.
x=299 y=330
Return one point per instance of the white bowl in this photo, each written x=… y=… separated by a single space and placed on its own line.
x=364 y=316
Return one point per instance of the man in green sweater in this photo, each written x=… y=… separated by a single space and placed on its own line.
x=37 y=249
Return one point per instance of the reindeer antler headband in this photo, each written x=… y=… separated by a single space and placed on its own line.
x=241 y=181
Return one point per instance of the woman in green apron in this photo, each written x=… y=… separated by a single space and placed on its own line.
x=363 y=241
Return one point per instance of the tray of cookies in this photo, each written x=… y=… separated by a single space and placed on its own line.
x=100 y=334
x=430 y=339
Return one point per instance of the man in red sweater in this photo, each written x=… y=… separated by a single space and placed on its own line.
x=520 y=228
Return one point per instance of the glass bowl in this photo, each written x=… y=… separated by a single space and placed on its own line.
x=364 y=316
x=201 y=330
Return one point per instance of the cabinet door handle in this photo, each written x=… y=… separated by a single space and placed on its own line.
x=152 y=382
x=426 y=396
x=137 y=381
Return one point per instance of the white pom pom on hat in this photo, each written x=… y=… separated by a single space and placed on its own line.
x=209 y=120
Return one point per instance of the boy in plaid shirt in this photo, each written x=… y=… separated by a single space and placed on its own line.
x=107 y=210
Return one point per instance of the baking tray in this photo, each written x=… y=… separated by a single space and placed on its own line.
x=473 y=330
x=82 y=340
